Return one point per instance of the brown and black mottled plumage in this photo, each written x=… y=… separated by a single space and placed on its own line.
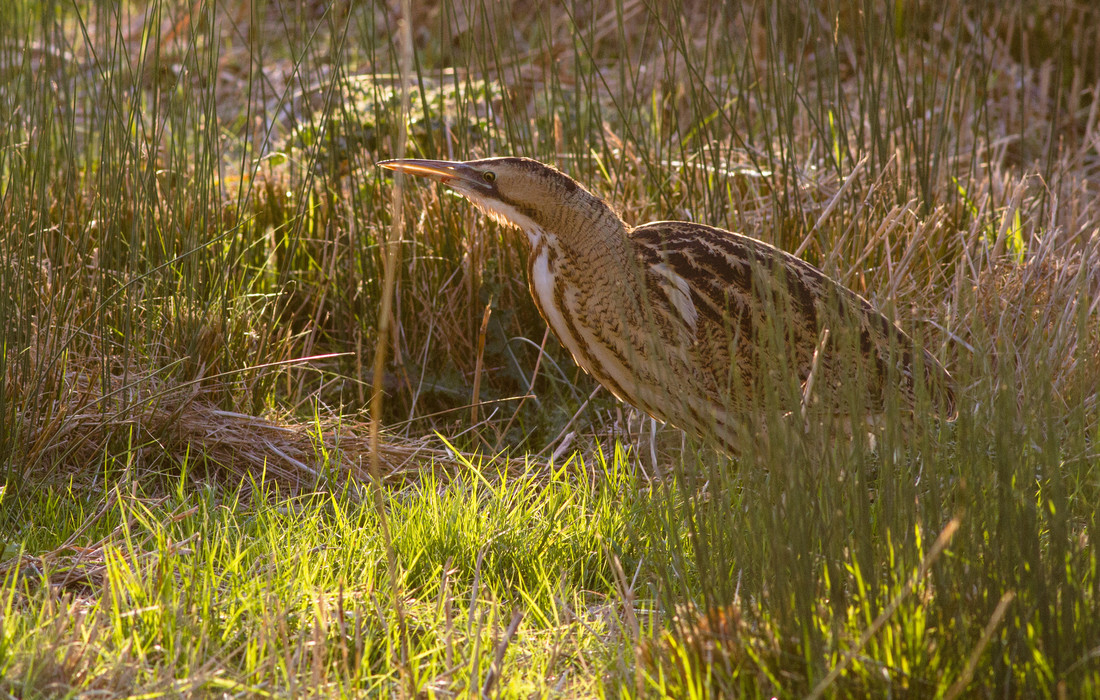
x=688 y=322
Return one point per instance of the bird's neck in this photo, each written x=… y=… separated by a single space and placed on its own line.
x=588 y=231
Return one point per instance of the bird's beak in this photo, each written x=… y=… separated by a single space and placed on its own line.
x=443 y=171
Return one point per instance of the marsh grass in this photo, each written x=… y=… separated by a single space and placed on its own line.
x=190 y=278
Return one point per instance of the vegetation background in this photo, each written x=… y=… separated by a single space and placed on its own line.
x=192 y=244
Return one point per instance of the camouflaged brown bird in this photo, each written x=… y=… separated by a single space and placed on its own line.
x=689 y=323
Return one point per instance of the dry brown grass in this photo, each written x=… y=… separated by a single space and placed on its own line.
x=916 y=203
x=158 y=425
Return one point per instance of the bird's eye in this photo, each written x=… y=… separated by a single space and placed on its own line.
x=489 y=176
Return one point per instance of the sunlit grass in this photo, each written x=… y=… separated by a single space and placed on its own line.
x=196 y=590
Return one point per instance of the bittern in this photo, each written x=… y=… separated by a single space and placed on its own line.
x=687 y=322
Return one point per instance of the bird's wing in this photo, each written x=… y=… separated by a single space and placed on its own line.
x=752 y=302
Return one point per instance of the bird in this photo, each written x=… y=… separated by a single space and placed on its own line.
x=690 y=323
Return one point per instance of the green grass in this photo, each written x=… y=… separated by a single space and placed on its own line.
x=195 y=591
x=191 y=236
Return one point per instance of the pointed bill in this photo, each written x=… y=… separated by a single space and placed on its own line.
x=443 y=171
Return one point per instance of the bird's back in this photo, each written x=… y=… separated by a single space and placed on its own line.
x=756 y=315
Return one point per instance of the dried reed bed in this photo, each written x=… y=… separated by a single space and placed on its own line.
x=163 y=426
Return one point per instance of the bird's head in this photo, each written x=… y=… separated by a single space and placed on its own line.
x=517 y=191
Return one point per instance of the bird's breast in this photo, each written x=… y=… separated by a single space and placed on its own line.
x=548 y=299
x=591 y=316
